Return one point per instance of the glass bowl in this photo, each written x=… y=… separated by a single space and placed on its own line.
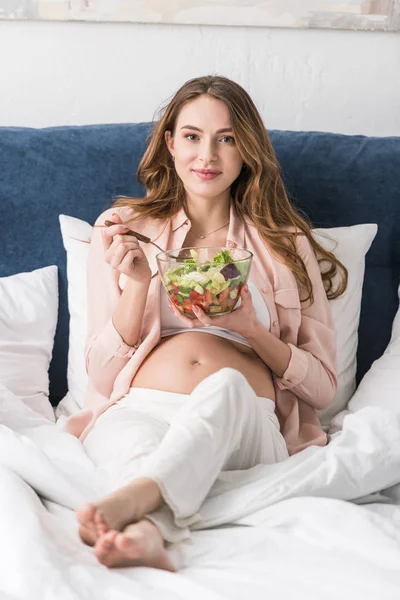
x=210 y=277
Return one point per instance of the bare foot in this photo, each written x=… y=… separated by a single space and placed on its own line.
x=92 y=525
x=139 y=545
x=115 y=511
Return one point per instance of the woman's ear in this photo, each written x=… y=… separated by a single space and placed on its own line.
x=169 y=140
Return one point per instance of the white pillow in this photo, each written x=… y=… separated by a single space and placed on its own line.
x=380 y=386
x=28 y=319
x=76 y=235
x=350 y=245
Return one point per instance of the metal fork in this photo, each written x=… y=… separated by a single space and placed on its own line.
x=141 y=238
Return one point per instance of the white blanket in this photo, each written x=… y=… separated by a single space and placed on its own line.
x=324 y=523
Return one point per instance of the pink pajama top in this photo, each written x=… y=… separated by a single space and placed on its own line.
x=308 y=384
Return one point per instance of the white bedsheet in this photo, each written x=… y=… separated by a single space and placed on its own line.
x=323 y=524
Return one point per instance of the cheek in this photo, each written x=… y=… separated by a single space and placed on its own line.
x=233 y=156
x=237 y=164
x=184 y=155
x=182 y=167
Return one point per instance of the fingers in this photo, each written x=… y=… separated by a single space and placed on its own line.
x=245 y=297
x=107 y=236
x=200 y=314
x=111 y=232
x=130 y=256
x=115 y=259
x=120 y=246
x=126 y=262
x=186 y=320
x=116 y=218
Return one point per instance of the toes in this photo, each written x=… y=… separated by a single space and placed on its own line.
x=87 y=530
x=128 y=545
x=85 y=514
x=104 y=545
x=101 y=526
x=103 y=556
x=90 y=517
x=87 y=536
x=108 y=539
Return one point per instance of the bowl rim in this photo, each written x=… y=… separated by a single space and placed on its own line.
x=177 y=250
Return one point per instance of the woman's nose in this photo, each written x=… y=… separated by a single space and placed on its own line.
x=208 y=152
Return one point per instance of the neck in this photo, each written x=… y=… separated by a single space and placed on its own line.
x=206 y=214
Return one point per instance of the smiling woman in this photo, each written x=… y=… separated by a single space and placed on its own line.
x=173 y=401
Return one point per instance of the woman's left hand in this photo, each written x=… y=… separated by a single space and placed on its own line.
x=242 y=320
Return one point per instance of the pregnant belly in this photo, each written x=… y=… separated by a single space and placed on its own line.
x=180 y=362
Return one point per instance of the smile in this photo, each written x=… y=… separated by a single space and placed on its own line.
x=206 y=176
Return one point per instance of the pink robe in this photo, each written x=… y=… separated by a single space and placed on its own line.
x=309 y=383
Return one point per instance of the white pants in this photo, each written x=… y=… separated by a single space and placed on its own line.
x=184 y=441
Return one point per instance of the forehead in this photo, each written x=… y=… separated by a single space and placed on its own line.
x=204 y=112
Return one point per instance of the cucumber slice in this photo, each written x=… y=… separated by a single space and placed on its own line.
x=197 y=288
x=179 y=297
x=214 y=309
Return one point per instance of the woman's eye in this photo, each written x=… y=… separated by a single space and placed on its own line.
x=228 y=139
x=190 y=136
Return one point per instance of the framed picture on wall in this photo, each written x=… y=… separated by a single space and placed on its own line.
x=379 y=15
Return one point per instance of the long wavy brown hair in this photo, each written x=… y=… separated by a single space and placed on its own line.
x=258 y=192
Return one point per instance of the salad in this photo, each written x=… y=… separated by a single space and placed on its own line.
x=214 y=286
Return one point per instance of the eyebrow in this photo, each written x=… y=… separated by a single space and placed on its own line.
x=225 y=130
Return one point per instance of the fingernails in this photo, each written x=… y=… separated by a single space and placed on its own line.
x=246 y=288
x=196 y=309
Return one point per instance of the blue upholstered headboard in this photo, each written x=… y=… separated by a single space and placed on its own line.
x=336 y=179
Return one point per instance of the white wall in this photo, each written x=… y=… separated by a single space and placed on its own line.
x=60 y=73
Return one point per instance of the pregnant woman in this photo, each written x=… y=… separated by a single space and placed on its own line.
x=173 y=401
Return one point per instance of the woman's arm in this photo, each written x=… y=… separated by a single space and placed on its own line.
x=128 y=315
x=275 y=353
x=114 y=317
x=308 y=368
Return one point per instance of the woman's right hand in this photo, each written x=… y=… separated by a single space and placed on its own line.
x=123 y=253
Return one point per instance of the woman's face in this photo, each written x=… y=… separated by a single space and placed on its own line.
x=206 y=157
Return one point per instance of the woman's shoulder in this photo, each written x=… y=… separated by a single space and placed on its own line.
x=302 y=241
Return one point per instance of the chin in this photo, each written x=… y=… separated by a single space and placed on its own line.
x=209 y=192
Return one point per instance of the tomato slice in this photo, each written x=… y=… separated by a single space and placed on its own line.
x=224 y=295
x=208 y=296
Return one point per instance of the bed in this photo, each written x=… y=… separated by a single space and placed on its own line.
x=324 y=523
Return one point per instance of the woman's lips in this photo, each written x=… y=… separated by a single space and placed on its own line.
x=206 y=176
